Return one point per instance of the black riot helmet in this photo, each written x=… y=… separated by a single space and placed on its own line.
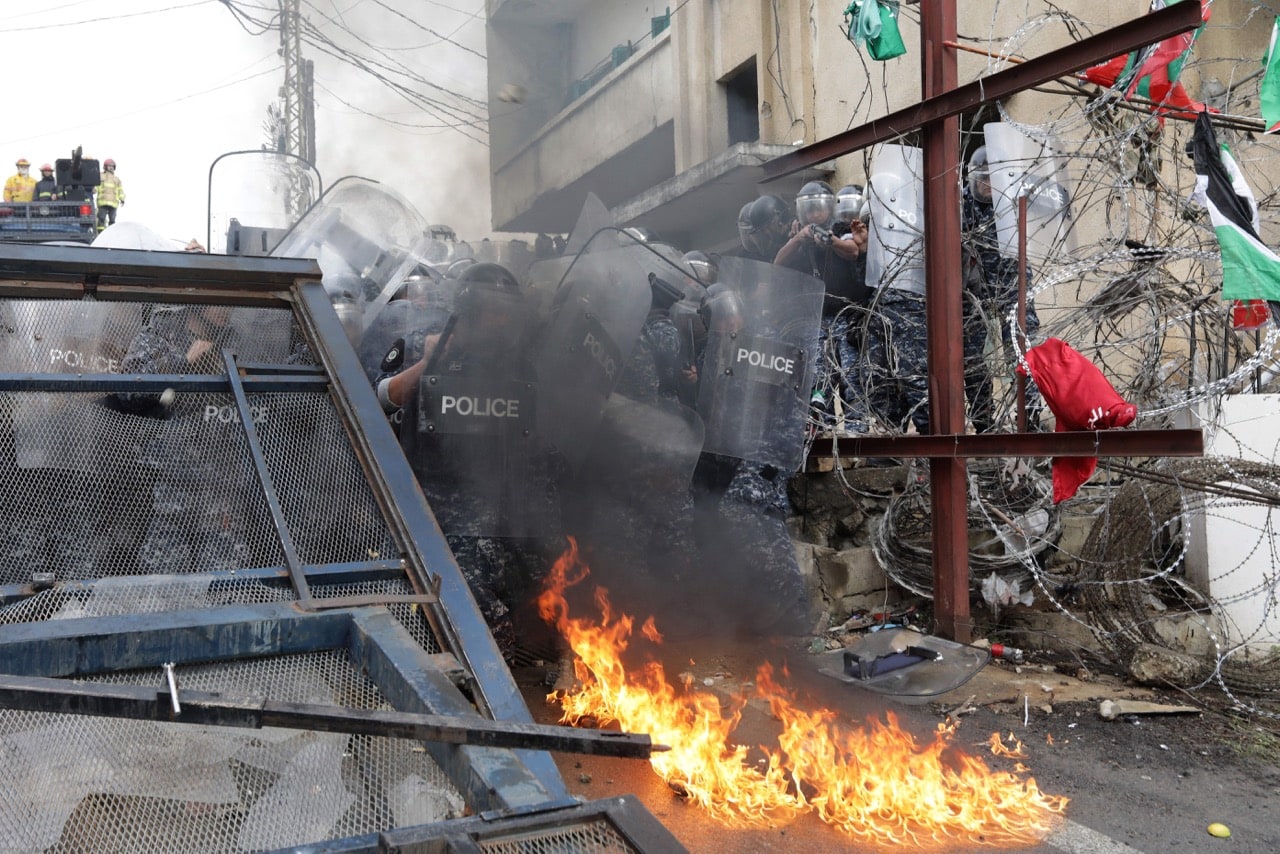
x=478 y=282
x=851 y=203
x=816 y=203
x=489 y=315
x=722 y=310
x=705 y=266
x=490 y=274
x=770 y=217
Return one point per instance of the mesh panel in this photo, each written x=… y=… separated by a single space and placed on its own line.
x=597 y=837
x=95 y=485
x=154 y=504
x=95 y=784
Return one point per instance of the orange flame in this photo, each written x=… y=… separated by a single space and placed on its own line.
x=875 y=783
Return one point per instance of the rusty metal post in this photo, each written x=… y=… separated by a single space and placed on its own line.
x=943 y=300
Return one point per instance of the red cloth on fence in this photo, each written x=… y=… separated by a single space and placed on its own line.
x=1080 y=398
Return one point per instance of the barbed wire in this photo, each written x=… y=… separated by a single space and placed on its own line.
x=1135 y=286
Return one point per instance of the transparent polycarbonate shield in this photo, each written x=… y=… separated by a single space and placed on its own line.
x=471 y=429
x=758 y=367
x=895 y=240
x=259 y=194
x=593 y=318
x=905 y=664
x=396 y=338
x=62 y=337
x=650 y=446
x=1023 y=166
x=593 y=217
x=367 y=240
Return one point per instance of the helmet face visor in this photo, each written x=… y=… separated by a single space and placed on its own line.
x=980 y=175
x=815 y=209
x=849 y=207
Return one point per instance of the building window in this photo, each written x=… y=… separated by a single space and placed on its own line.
x=743 y=98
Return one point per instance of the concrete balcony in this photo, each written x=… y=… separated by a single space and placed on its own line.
x=615 y=139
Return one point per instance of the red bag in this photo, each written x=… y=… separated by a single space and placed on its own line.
x=1249 y=314
x=1080 y=398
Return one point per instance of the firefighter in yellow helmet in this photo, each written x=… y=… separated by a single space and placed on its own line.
x=110 y=194
x=20 y=187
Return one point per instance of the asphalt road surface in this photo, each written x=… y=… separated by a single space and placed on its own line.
x=1150 y=783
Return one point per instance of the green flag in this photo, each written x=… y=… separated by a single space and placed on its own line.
x=1250 y=270
x=1270 y=93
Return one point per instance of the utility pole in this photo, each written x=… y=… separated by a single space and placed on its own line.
x=298 y=97
x=298 y=90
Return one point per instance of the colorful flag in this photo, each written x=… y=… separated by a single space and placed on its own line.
x=1249 y=269
x=1152 y=72
x=1270 y=92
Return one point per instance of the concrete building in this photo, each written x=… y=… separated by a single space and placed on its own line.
x=667 y=111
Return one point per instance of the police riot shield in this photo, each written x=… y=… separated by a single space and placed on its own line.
x=397 y=337
x=471 y=428
x=367 y=240
x=63 y=337
x=254 y=198
x=758 y=368
x=646 y=448
x=1022 y=166
x=895 y=238
x=593 y=318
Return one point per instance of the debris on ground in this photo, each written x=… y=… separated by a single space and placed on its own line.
x=1109 y=710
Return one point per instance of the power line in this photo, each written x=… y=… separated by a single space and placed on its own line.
x=106 y=18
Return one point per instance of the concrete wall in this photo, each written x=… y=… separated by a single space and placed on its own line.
x=631 y=103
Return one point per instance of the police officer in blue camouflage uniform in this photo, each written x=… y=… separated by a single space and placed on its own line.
x=837 y=258
x=897 y=340
x=991 y=285
x=755 y=430
x=203 y=500
x=491 y=485
x=631 y=504
x=51 y=445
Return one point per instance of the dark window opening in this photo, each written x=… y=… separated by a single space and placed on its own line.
x=743 y=97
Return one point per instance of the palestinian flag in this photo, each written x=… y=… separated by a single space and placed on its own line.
x=1249 y=269
x=1270 y=93
x=1152 y=72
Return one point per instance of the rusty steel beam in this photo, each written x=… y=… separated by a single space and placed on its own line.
x=948 y=495
x=1084 y=443
x=1131 y=35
